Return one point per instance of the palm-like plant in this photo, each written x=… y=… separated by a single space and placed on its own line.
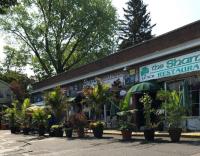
x=24 y=116
x=40 y=116
x=173 y=108
x=57 y=102
x=97 y=97
x=13 y=114
x=40 y=119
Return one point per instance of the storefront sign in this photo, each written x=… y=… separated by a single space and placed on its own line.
x=132 y=72
x=175 y=66
x=108 y=79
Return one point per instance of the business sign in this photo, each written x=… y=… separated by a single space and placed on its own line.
x=171 y=67
x=108 y=79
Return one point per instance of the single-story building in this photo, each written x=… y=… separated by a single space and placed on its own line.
x=6 y=94
x=171 y=59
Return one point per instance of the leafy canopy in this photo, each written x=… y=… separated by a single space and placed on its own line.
x=61 y=34
x=5 y=4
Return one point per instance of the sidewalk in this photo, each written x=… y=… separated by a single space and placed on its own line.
x=157 y=134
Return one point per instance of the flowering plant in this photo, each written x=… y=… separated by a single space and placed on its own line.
x=147 y=100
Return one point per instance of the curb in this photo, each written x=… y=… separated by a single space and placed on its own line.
x=140 y=134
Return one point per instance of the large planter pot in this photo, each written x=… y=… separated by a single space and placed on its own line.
x=98 y=132
x=41 y=130
x=175 y=134
x=4 y=126
x=149 y=134
x=126 y=135
x=15 y=129
x=80 y=132
x=56 y=132
x=69 y=132
x=26 y=130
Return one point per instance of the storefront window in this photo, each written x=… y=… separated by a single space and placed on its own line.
x=194 y=91
x=191 y=91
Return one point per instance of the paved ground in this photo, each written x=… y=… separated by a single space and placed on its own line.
x=20 y=145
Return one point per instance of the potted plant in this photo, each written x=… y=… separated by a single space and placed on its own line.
x=25 y=117
x=149 y=131
x=126 y=130
x=56 y=131
x=40 y=119
x=12 y=114
x=79 y=121
x=97 y=128
x=68 y=129
x=174 y=112
x=25 y=128
x=126 y=126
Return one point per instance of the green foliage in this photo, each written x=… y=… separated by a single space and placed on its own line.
x=57 y=102
x=127 y=127
x=18 y=83
x=97 y=96
x=147 y=100
x=124 y=105
x=40 y=116
x=97 y=125
x=15 y=60
x=13 y=113
x=171 y=103
x=24 y=117
x=125 y=118
x=18 y=113
x=61 y=35
x=136 y=27
x=6 y=4
x=56 y=127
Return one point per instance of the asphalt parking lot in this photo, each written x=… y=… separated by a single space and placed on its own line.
x=110 y=145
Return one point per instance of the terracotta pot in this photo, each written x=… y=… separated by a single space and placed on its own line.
x=149 y=134
x=126 y=135
x=4 y=126
x=175 y=134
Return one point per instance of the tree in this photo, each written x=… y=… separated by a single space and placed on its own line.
x=5 y=4
x=136 y=27
x=60 y=34
x=14 y=60
x=18 y=83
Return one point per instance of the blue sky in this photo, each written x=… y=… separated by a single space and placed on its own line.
x=167 y=14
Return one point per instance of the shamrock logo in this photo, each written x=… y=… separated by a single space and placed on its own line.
x=144 y=71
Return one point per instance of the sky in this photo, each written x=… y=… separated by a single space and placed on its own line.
x=166 y=14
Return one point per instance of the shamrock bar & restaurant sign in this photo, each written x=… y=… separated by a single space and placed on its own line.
x=174 y=66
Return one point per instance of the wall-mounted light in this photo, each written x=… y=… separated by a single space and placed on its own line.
x=125 y=69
